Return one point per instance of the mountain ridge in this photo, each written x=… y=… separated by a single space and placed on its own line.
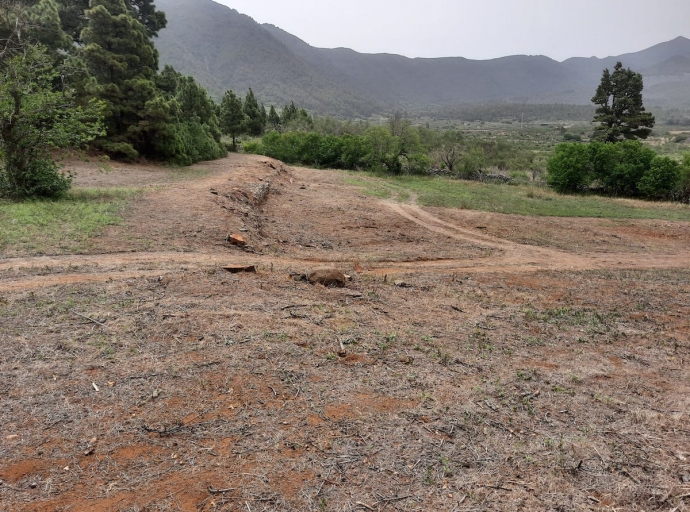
x=225 y=49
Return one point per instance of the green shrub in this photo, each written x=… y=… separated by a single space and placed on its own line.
x=661 y=179
x=42 y=178
x=682 y=190
x=570 y=169
x=118 y=150
x=253 y=148
x=572 y=137
x=619 y=167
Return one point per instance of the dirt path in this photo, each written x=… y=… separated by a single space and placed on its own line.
x=173 y=203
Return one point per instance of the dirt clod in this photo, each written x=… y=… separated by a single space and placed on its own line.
x=329 y=277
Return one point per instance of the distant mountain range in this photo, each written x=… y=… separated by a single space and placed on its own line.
x=224 y=50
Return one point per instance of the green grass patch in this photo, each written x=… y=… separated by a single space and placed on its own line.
x=371 y=187
x=61 y=226
x=512 y=199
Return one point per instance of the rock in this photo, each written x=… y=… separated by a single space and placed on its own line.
x=237 y=240
x=327 y=277
x=236 y=269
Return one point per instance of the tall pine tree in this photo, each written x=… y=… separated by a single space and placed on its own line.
x=273 y=120
x=232 y=117
x=255 y=122
x=122 y=62
x=620 y=113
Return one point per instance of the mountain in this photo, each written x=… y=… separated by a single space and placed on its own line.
x=224 y=49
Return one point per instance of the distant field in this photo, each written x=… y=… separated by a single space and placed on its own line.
x=513 y=199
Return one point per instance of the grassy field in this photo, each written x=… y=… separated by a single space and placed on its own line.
x=65 y=225
x=512 y=199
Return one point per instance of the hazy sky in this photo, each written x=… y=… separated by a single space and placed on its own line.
x=477 y=29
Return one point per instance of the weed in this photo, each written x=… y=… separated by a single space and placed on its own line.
x=429 y=476
x=447 y=469
x=525 y=375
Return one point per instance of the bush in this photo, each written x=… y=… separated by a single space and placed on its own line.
x=42 y=179
x=682 y=190
x=570 y=169
x=253 y=148
x=118 y=150
x=661 y=179
x=572 y=137
x=619 y=167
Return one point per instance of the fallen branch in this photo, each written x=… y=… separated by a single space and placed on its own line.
x=285 y=308
x=88 y=318
x=218 y=491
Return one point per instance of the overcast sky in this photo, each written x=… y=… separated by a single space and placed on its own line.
x=477 y=29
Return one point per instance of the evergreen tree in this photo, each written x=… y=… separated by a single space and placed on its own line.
x=289 y=113
x=180 y=125
x=232 y=117
x=145 y=11
x=28 y=22
x=621 y=114
x=264 y=116
x=74 y=19
x=273 y=120
x=255 y=123
x=123 y=62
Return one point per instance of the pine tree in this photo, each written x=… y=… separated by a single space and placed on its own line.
x=273 y=120
x=264 y=115
x=180 y=125
x=27 y=22
x=621 y=114
x=232 y=117
x=74 y=19
x=123 y=62
x=289 y=113
x=255 y=123
x=145 y=11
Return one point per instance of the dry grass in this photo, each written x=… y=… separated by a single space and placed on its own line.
x=188 y=388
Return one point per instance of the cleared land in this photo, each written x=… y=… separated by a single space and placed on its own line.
x=476 y=361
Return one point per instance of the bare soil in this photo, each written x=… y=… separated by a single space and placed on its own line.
x=475 y=361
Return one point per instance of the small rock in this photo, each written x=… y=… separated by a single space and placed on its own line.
x=327 y=277
x=237 y=240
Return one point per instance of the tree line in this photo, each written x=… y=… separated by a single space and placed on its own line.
x=397 y=147
x=86 y=72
